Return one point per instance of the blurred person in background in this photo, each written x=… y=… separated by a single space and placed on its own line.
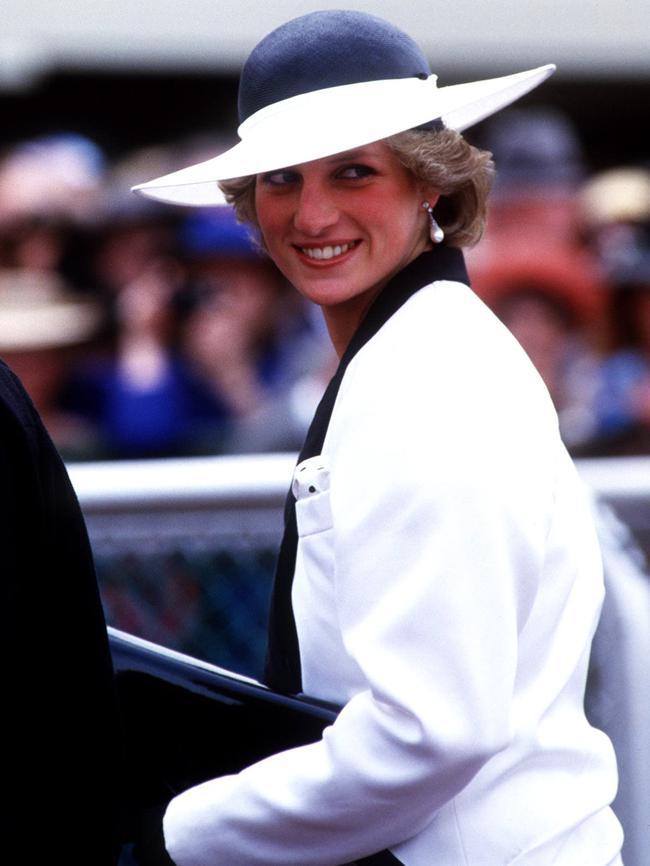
x=52 y=176
x=533 y=216
x=540 y=165
x=533 y=267
x=555 y=309
x=50 y=194
x=128 y=241
x=439 y=578
x=135 y=388
x=616 y=211
x=140 y=394
x=44 y=327
x=249 y=337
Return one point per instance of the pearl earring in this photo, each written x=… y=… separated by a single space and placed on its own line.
x=435 y=232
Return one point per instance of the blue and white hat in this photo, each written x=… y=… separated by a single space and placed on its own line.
x=325 y=83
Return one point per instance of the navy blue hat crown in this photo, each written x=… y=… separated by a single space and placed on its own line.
x=326 y=49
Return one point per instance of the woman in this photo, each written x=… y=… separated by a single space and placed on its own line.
x=445 y=584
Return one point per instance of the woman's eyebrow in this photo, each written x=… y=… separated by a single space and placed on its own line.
x=337 y=158
x=347 y=156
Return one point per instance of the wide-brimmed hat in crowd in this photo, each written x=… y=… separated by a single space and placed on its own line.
x=330 y=81
x=38 y=312
x=615 y=207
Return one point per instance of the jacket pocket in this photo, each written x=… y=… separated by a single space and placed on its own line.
x=311 y=487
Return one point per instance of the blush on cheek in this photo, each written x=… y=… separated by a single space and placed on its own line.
x=272 y=221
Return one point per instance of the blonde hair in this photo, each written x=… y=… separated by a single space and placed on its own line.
x=460 y=172
x=443 y=160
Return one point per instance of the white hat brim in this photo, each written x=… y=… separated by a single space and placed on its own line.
x=38 y=328
x=336 y=119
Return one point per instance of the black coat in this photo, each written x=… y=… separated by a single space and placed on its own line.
x=60 y=751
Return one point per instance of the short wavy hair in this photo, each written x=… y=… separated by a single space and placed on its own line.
x=441 y=159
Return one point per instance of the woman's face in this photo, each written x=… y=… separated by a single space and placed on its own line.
x=340 y=227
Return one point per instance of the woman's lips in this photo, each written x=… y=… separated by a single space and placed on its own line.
x=323 y=254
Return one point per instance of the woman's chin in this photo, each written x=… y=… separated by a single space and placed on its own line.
x=331 y=291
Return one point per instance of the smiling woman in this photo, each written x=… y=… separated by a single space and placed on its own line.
x=423 y=166
x=439 y=575
x=340 y=227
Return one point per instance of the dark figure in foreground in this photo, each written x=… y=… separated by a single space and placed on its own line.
x=61 y=756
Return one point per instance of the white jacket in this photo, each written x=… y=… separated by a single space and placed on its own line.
x=447 y=588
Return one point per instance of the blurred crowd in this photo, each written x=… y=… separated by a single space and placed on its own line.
x=142 y=330
x=147 y=331
x=566 y=265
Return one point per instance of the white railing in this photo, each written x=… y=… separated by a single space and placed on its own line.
x=155 y=505
x=265 y=477
x=238 y=498
x=617 y=477
x=197 y=481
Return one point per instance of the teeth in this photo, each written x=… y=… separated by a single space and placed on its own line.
x=326 y=252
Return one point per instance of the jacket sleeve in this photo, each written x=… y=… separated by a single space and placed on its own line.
x=438 y=542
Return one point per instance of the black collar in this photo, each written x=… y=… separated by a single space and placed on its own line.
x=440 y=263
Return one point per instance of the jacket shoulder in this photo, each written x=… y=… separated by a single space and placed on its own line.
x=15 y=403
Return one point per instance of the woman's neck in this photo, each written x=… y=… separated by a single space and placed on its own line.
x=342 y=320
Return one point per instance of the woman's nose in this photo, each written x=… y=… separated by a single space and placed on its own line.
x=315 y=210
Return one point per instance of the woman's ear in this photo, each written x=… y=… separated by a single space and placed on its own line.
x=430 y=195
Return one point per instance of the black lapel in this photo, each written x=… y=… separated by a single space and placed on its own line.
x=383 y=858
x=282 y=669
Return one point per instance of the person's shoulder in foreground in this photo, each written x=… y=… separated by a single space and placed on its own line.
x=61 y=769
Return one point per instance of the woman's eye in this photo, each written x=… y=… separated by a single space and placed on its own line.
x=280 y=178
x=356 y=172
